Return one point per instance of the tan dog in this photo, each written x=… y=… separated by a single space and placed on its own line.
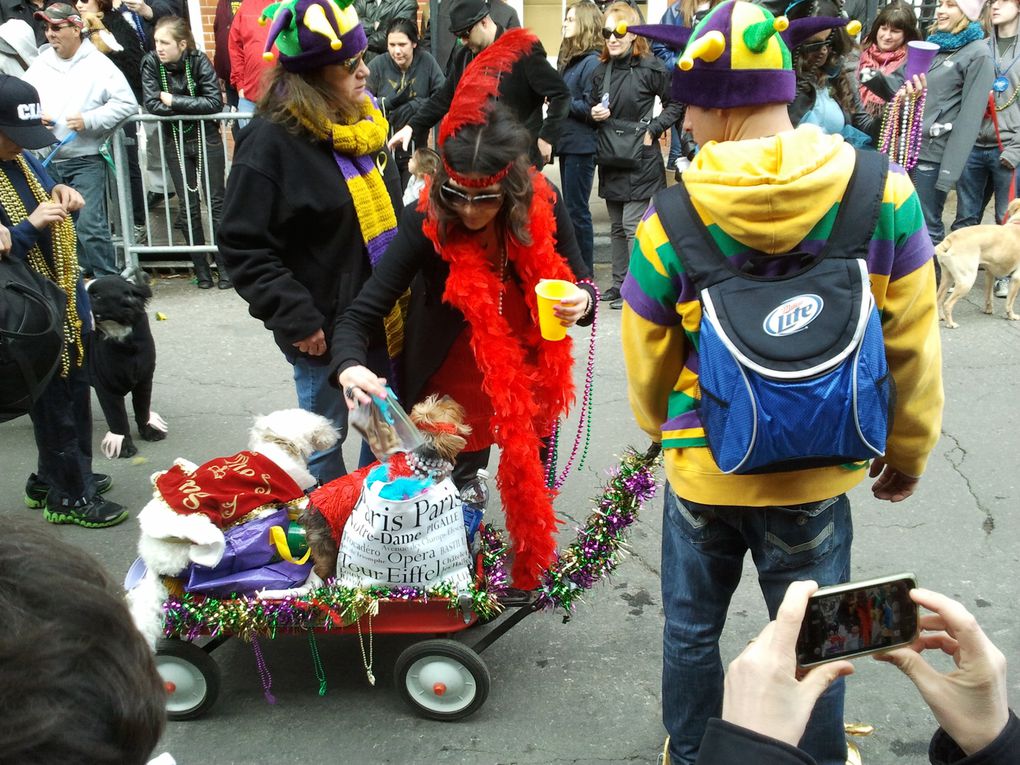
x=997 y=248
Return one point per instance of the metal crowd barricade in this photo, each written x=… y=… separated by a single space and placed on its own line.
x=161 y=235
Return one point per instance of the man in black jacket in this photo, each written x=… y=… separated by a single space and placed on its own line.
x=530 y=82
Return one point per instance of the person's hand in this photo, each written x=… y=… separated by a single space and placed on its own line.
x=762 y=692
x=970 y=701
x=648 y=140
x=359 y=384
x=75 y=122
x=545 y=149
x=570 y=310
x=5 y=240
x=401 y=138
x=1006 y=163
x=915 y=84
x=314 y=344
x=47 y=120
x=45 y=214
x=600 y=113
x=140 y=7
x=67 y=197
x=892 y=485
x=240 y=92
x=167 y=99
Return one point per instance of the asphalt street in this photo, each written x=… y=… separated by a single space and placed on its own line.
x=588 y=690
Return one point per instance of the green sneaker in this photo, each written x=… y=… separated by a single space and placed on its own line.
x=36 y=490
x=98 y=513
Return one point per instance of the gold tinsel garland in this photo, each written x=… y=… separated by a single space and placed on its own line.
x=65 y=258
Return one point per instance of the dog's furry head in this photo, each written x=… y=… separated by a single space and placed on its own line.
x=295 y=431
x=1011 y=212
x=433 y=411
x=115 y=299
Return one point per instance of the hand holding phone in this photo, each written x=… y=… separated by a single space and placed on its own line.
x=969 y=702
x=762 y=692
x=858 y=618
x=604 y=103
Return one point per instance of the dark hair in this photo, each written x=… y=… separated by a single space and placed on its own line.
x=105 y=6
x=898 y=16
x=77 y=681
x=406 y=26
x=843 y=86
x=486 y=149
x=179 y=29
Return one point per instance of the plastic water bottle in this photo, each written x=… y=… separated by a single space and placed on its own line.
x=475 y=497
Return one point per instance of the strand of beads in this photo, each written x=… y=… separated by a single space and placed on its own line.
x=902 y=127
x=180 y=130
x=552 y=480
x=916 y=131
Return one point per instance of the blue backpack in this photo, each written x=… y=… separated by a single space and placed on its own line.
x=792 y=367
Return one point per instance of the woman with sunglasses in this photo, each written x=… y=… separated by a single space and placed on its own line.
x=179 y=80
x=472 y=252
x=623 y=94
x=827 y=93
x=310 y=201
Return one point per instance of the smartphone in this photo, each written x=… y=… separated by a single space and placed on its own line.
x=857 y=618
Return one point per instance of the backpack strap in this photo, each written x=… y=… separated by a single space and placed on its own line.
x=705 y=263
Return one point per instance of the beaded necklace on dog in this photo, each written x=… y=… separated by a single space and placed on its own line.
x=64 y=272
x=178 y=132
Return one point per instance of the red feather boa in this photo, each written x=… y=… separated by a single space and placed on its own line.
x=523 y=394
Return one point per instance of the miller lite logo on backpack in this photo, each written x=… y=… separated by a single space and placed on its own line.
x=792 y=368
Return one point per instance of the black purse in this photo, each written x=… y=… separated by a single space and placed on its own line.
x=619 y=142
x=31 y=335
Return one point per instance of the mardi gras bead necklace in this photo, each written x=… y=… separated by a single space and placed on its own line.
x=552 y=480
x=901 y=133
x=64 y=272
x=179 y=130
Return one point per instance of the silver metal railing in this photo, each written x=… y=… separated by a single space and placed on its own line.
x=169 y=232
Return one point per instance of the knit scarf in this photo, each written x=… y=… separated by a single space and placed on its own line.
x=948 y=41
x=885 y=62
x=524 y=395
x=357 y=150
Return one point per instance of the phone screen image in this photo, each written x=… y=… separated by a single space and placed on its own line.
x=855 y=619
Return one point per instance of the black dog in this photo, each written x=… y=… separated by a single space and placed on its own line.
x=122 y=360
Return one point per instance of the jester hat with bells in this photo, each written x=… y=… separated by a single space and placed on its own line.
x=311 y=34
x=738 y=55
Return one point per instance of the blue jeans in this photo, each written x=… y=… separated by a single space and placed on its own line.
x=577 y=172
x=247 y=107
x=703 y=549
x=924 y=176
x=87 y=176
x=674 y=148
x=315 y=394
x=982 y=169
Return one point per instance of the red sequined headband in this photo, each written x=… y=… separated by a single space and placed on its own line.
x=476 y=183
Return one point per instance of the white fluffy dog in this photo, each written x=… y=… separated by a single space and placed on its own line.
x=171 y=541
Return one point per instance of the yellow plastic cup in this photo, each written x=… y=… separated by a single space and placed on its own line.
x=550 y=292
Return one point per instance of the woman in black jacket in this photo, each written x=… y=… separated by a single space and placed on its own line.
x=403 y=80
x=623 y=95
x=179 y=80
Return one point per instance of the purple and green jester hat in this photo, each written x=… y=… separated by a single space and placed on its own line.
x=738 y=55
x=311 y=34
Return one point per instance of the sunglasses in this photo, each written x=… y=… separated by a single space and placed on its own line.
x=463 y=35
x=351 y=65
x=814 y=47
x=58 y=27
x=456 y=198
x=614 y=32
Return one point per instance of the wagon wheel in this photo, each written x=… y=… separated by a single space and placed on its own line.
x=442 y=679
x=191 y=677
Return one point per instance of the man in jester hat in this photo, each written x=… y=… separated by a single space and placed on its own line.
x=760 y=186
x=309 y=205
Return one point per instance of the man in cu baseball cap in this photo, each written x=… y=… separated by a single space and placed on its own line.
x=21 y=115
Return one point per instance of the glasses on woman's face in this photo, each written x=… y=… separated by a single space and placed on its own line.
x=815 y=47
x=608 y=32
x=457 y=198
x=351 y=65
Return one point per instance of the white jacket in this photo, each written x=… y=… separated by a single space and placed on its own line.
x=87 y=83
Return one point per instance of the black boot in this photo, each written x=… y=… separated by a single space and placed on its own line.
x=224 y=282
x=202 y=273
